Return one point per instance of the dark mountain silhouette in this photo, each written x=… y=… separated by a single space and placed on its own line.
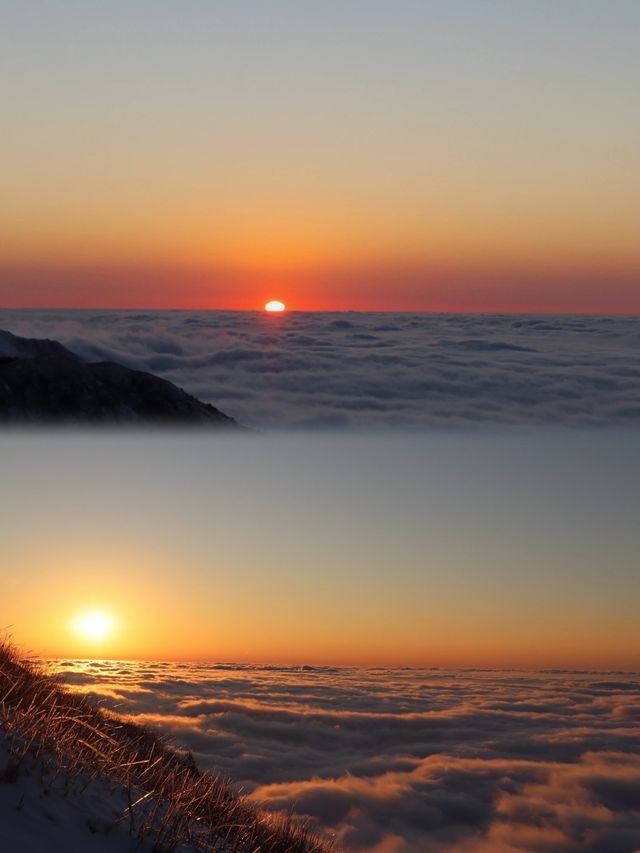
x=43 y=382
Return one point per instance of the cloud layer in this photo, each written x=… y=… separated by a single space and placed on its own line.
x=407 y=760
x=371 y=370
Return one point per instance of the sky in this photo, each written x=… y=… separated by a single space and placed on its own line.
x=490 y=549
x=414 y=155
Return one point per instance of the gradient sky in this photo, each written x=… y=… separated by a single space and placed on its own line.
x=495 y=549
x=412 y=154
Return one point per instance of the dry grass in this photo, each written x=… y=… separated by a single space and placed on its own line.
x=170 y=800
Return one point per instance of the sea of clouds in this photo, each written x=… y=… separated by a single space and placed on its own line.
x=407 y=760
x=371 y=370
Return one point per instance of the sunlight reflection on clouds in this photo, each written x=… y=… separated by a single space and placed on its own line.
x=406 y=759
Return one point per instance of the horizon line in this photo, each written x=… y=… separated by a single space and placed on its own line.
x=433 y=311
x=324 y=666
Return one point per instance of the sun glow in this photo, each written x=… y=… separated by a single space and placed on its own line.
x=93 y=625
x=275 y=306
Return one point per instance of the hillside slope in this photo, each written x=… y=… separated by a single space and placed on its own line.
x=76 y=779
x=42 y=382
x=41 y=811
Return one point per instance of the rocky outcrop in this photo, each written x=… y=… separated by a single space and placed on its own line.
x=43 y=382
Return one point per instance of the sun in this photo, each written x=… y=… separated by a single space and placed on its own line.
x=275 y=307
x=93 y=625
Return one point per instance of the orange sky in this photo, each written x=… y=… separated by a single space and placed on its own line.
x=536 y=288
x=424 y=551
x=472 y=158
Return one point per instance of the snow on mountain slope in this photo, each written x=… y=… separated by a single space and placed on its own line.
x=45 y=812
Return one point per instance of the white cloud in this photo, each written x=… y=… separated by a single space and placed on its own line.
x=372 y=370
x=407 y=760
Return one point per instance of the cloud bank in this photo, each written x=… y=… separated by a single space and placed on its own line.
x=370 y=370
x=407 y=760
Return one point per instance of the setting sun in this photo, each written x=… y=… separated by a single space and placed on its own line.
x=93 y=625
x=275 y=306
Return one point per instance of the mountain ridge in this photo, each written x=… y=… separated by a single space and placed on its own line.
x=41 y=381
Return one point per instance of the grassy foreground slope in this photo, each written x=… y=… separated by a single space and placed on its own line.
x=71 y=745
